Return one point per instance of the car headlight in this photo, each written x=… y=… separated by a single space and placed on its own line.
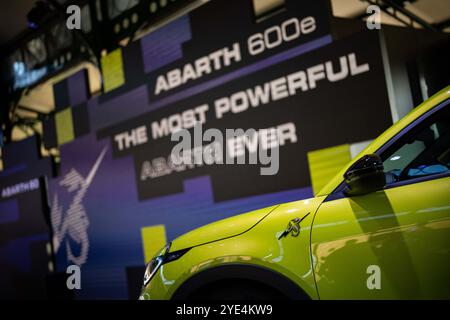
x=151 y=269
x=163 y=257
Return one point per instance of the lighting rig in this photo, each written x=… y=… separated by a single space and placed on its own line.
x=48 y=47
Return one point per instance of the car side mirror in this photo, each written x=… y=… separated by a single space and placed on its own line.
x=364 y=176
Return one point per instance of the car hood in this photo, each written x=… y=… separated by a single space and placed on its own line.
x=221 y=229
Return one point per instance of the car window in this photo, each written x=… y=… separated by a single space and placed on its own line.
x=423 y=151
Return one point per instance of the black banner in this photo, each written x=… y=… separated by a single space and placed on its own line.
x=330 y=96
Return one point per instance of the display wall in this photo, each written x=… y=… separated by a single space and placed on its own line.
x=25 y=232
x=117 y=198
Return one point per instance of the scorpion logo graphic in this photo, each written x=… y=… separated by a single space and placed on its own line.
x=72 y=227
x=293 y=227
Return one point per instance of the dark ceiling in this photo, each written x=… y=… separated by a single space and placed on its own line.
x=13 y=13
x=13 y=18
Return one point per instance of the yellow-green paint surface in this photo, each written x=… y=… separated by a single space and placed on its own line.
x=258 y=246
x=153 y=239
x=112 y=70
x=325 y=163
x=64 y=126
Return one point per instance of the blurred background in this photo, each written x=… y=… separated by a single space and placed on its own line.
x=65 y=94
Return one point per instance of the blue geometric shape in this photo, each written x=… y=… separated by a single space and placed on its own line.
x=163 y=46
x=9 y=211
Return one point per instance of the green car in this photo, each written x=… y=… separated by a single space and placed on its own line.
x=380 y=229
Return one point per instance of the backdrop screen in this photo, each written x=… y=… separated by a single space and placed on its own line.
x=119 y=198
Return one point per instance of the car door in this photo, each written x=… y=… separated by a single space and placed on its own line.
x=392 y=243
